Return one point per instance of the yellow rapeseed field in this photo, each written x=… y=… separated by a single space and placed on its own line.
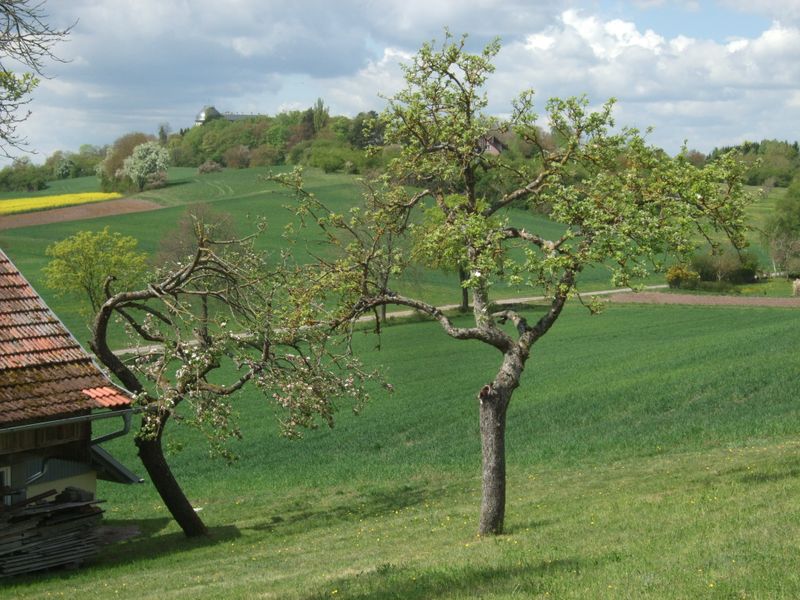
x=18 y=205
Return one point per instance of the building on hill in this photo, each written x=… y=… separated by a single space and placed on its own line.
x=209 y=113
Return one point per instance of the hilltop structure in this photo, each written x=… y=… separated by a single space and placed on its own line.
x=209 y=113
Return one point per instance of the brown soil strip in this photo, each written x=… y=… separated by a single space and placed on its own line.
x=82 y=211
x=705 y=300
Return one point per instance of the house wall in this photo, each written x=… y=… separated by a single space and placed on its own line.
x=85 y=481
x=5 y=480
x=58 y=474
x=56 y=468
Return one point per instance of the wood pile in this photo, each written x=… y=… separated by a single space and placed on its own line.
x=37 y=533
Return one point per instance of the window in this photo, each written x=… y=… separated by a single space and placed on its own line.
x=5 y=480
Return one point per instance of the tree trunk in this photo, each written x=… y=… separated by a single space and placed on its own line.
x=152 y=455
x=493 y=433
x=462 y=277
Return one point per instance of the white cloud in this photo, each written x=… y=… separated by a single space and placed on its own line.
x=360 y=92
x=609 y=39
x=135 y=64
x=782 y=10
x=683 y=86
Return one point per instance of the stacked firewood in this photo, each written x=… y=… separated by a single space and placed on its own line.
x=48 y=530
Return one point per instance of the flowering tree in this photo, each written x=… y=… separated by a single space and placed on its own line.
x=618 y=202
x=147 y=160
x=253 y=325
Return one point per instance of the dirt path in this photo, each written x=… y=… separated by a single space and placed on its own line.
x=82 y=211
x=704 y=300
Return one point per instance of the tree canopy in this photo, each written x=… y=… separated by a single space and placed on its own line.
x=81 y=264
x=782 y=230
x=618 y=202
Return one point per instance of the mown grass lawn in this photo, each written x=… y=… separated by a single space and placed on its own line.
x=654 y=452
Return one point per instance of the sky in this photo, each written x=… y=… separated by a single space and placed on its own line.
x=708 y=72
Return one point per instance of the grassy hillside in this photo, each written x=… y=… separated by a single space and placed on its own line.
x=652 y=454
x=245 y=196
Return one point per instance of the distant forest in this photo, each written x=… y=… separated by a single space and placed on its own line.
x=314 y=138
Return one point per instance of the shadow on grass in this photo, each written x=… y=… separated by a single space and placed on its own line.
x=391 y=581
x=175 y=183
x=769 y=477
x=372 y=503
x=522 y=527
x=149 y=545
x=779 y=471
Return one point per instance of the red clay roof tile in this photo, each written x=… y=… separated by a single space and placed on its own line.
x=44 y=372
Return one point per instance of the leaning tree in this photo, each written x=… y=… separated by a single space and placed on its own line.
x=210 y=325
x=619 y=203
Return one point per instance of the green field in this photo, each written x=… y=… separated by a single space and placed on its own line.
x=654 y=452
x=245 y=196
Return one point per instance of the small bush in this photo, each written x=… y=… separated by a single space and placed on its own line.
x=209 y=167
x=156 y=180
x=682 y=277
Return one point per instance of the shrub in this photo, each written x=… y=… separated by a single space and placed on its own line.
x=144 y=163
x=209 y=167
x=717 y=287
x=24 y=176
x=111 y=169
x=155 y=180
x=265 y=155
x=731 y=266
x=681 y=276
x=237 y=157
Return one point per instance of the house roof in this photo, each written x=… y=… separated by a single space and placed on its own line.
x=44 y=373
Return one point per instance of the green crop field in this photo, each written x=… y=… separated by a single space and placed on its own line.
x=654 y=452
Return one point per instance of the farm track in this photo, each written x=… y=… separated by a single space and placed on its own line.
x=81 y=211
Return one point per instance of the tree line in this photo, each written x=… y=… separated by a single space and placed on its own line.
x=333 y=143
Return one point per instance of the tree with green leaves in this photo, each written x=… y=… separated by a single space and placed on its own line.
x=27 y=41
x=110 y=170
x=320 y=115
x=81 y=263
x=782 y=230
x=618 y=203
